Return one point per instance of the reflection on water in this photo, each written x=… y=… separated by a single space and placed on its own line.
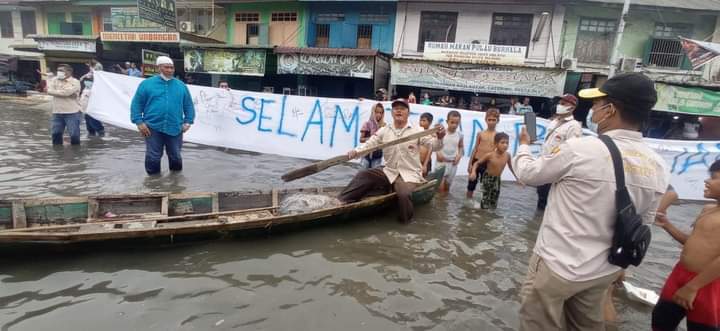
x=455 y=268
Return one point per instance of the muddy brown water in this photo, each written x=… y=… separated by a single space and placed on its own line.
x=455 y=268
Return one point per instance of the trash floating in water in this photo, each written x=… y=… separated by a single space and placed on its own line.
x=303 y=203
x=647 y=297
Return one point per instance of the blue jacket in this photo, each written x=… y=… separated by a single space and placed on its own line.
x=162 y=105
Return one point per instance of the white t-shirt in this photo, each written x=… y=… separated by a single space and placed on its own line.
x=450 y=144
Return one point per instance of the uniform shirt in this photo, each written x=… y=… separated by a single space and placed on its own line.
x=403 y=159
x=576 y=233
x=163 y=105
x=65 y=95
x=560 y=130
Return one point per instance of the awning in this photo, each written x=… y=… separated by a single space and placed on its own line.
x=687 y=100
x=60 y=43
x=327 y=51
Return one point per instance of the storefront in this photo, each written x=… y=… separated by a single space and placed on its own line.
x=685 y=112
x=65 y=49
x=332 y=72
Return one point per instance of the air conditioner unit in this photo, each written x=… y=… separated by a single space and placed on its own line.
x=630 y=64
x=187 y=26
x=569 y=63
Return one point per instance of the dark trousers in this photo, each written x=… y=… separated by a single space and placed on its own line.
x=94 y=126
x=154 y=146
x=542 y=192
x=69 y=121
x=373 y=181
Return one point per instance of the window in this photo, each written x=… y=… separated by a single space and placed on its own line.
x=284 y=17
x=594 y=40
x=672 y=30
x=364 y=36
x=511 y=29
x=666 y=53
x=328 y=18
x=247 y=17
x=437 y=26
x=74 y=29
x=27 y=21
x=107 y=20
x=253 y=34
x=6 y=26
x=322 y=35
x=374 y=19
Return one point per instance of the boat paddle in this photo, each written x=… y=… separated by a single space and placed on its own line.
x=322 y=165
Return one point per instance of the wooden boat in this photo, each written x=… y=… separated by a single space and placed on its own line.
x=154 y=215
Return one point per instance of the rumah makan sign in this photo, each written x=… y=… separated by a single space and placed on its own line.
x=148 y=37
x=474 y=53
x=318 y=128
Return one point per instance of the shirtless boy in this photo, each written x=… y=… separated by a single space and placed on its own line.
x=495 y=162
x=693 y=288
x=484 y=144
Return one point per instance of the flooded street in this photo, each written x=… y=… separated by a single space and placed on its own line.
x=455 y=268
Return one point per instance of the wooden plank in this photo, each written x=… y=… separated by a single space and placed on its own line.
x=54 y=201
x=164 y=206
x=19 y=220
x=275 y=199
x=215 y=203
x=93 y=208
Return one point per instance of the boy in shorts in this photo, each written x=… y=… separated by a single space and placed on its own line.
x=495 y=162
x=484 y=144
x=452 y=152
x=425 y=152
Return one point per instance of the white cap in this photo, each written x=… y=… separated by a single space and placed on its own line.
x=164 y=60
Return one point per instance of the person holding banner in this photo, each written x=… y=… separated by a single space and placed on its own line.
x=163 y=110
x=402 y=171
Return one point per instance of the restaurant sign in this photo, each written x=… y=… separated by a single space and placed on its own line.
x=148 y=37
x=246 y=62
x=72 y=45
x=158 y=11
x=479 y=78
x=326 y=65
x=474 y=53
x=128 y=19
x=149 y=68
x=688 y=100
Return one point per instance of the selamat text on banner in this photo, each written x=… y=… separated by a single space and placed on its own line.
x=320 y=128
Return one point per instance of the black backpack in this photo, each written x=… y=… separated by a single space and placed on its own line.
x=631 y=238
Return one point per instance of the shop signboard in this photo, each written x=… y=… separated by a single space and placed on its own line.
x=127 y=19
x=147 y=37
x=474 y=53
x=246 y=62
x=72 y=45
x=688 y=100
x=326 y=65
x=479 y=78
x=148 y=62
x=158 y=11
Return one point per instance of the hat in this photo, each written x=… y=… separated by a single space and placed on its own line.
x=164 y=60
x=401 y=102
x=569 y=98
x=630 y=88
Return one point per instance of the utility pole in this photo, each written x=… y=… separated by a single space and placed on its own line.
x=618 y=39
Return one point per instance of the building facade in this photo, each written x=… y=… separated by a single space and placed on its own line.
x=17 y=24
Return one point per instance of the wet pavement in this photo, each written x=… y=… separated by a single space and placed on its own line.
x=455 y=268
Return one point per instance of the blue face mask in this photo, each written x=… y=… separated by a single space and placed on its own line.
x=588 y=120
x=88 y=84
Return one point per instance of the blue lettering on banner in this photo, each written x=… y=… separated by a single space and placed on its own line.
x=282 y=120
x=247 y=109
x=264 y=101
x=317 y=108
x=355 y=118
x=475 y=126
x=689 y=162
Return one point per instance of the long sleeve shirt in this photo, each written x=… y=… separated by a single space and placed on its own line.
x=561 y=130
x=65 y=95
x=576 y=233
x=401 y=160
x=163 y=105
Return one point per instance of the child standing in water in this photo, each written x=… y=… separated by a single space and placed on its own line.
x=495 y=162
x=425 y=152
x=452 y=152
x=484 y=144
x=376 y=121
x=693 y=288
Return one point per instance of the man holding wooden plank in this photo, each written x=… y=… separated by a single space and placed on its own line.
x=402 y=171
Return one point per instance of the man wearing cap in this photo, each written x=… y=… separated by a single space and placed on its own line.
x=402 y=171
x=163 y=110
x=569 y=272
x=562 y=127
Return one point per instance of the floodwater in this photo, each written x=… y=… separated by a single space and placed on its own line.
x=455 y=268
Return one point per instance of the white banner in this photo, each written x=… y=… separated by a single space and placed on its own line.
x=474 y=53
x=319 y=128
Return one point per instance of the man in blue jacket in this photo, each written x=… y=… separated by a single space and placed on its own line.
x=163 y=110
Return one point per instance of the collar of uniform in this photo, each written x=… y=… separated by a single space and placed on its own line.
x=627 y=134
